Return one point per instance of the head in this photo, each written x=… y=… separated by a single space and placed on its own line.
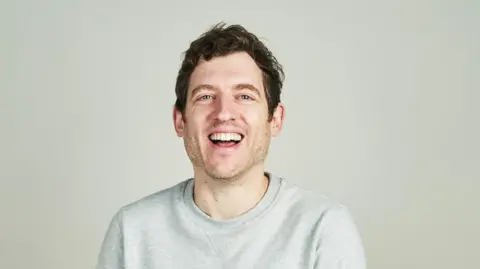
x=228 y=102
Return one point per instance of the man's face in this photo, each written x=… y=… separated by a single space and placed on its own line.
x=225 y=126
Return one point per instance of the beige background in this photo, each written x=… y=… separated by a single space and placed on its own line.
x=382 y=115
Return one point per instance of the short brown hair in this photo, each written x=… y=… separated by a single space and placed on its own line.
x=221 y=40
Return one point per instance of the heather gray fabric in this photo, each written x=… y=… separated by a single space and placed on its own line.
x=289 y=228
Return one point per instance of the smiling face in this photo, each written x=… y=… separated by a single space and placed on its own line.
x=225 y=126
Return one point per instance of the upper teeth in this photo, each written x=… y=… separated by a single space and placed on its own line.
x=226 y=136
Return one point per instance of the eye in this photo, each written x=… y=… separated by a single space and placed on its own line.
x=204 y=97
x=245 y=97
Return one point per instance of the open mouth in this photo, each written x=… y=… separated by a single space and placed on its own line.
x=225 y=139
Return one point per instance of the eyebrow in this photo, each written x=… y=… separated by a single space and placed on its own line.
x=202 y=87
x=250 y=87
x=237 y=87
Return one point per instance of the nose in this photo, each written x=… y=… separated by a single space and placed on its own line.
x=224 y=108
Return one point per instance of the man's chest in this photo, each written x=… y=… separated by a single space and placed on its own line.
x=262 y=249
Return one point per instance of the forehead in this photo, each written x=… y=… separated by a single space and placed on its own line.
x=226 y=71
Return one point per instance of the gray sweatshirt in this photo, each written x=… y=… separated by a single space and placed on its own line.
x=290 y=228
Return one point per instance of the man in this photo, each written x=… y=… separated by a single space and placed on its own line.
x=232 y=213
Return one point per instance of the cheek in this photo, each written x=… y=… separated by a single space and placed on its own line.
x=195 y=125
x=200 y=113
x=258 y=126
x=256 y=118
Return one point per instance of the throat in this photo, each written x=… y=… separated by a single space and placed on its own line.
x=229 y=201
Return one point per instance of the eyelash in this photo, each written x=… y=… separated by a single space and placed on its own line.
x=244 y=95
x=202 y=97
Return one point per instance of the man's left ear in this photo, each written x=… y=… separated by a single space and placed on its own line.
x=277 y=119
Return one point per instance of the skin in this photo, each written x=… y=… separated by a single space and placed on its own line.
x=227 y=94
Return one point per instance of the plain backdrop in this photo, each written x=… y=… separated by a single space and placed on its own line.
x=381 y=114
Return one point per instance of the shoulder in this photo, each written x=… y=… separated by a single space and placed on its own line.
x=155 y=204
x=315 y=208
x=307 y=201
x=329 y=223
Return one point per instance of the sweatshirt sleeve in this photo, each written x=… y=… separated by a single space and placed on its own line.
x=338 y=242
x=111 y=251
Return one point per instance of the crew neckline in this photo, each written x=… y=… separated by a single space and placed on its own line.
x=211 y=225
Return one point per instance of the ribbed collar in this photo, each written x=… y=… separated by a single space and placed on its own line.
x=220 y=226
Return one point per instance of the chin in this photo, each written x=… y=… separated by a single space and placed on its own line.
x=222 y=173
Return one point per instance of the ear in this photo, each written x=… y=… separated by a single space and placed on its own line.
x=277 y=120
x=178 y=122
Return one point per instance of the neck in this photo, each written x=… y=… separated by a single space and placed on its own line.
x=224 y=199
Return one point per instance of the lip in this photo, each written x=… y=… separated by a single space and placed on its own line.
x=227 y=130
x=222 y=148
